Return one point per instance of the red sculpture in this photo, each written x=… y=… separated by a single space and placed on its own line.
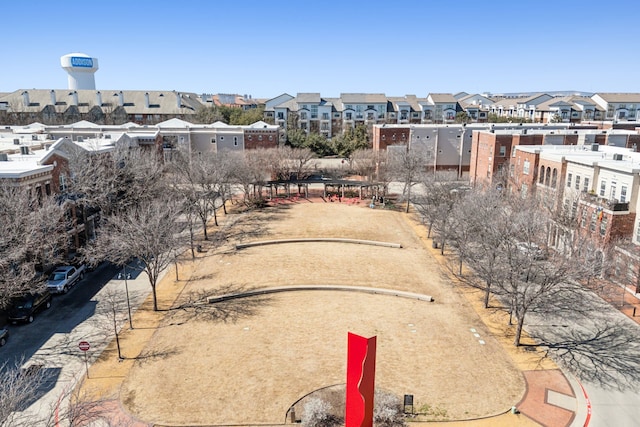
x=361 y=369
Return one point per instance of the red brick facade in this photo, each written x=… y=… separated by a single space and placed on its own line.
x=260 y=138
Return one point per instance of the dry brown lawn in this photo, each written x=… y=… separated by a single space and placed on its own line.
x=247 y=361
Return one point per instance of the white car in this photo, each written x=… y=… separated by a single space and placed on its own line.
x=63 y=278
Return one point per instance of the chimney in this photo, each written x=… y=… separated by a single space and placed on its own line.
x=120 y=99
x=25 y=98
x=74 y=96
x=98 y=99
x=53 y=97
x=146 y=100
x=179 y=100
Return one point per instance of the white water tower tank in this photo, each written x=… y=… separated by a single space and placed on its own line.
x=81 y=68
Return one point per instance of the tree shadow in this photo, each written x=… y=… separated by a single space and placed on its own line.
x=195 y=305
x=599 y=350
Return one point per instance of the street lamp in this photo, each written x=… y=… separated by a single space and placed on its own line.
x=126 y=276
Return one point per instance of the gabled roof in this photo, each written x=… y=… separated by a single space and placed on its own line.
x=632 y=98
x=174 y=123
x=133 y=101
x=363 y=98
x=442 y=98
x=83 y=124
x=308 y=98
x=262 y=125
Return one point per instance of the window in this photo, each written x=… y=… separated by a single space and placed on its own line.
x=213 y=140
x=314 y=111
x=569 y=178
x=325 y=116
x=270 y=137
x=603 y=187
x=503 y=150
x=249 y=137
x=303 y=116
x=259 y=137
x=525 y=167
x=613 y=190
x=594 y=218
x=348 y=116
x=638 y=231
x=63 y=182
x=585 y=187
x=623 y=194
x=222 y=138
x=280 y=116
x=524 y=190
x=235 y=140
x=583 y=218
x=577 y=182
x=603 y=226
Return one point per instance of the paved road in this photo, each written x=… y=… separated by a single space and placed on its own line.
x=610 y=375
x=52 y=339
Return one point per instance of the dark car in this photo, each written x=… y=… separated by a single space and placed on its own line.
x=24 y=308
x=4 y=334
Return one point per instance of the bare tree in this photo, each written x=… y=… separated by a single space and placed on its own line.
x=34 y=237
x=407 y=165
x=250 y=169
x=363 y=162
x=436 y=203
x=111 y=315
x=115 y=179
x=18 y=390
x=150 y=231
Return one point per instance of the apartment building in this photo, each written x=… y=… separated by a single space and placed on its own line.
x=56 y=107
x=597 y=187
x=619 y=106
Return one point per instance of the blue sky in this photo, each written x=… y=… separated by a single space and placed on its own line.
x=328 y=46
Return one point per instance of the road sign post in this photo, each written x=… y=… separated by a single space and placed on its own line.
x=84 y=347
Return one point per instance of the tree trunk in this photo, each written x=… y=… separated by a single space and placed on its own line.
x=204 y=228
x=408 y=198
x=487 y=293
x=519 y=327
x=155 y=297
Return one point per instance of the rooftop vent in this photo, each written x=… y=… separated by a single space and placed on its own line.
x=24 y=150
x=4 y=157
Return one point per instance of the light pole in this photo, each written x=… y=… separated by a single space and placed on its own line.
x=126 y=287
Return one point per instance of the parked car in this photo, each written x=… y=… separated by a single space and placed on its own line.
x=4 y=334
x=24 y=308
x=63 y=278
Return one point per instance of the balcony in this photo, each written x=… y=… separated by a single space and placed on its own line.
x=613 y=205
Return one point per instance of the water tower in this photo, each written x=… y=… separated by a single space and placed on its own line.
x=81 y=68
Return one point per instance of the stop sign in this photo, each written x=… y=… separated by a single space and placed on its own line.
x=83 y=345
